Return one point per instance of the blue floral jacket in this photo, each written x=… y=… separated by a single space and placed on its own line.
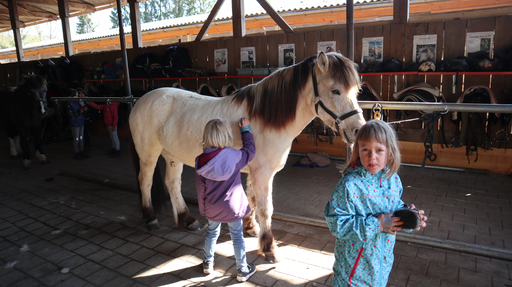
x=364 y=255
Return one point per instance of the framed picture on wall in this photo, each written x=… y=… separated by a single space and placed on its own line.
x=327 y=46
x=247 y=57
x=479 y=41
x=221 y=60
x=372 y=49
x=286 y=55
x=424 y=48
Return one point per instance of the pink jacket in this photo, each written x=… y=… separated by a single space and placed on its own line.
x=110 y=115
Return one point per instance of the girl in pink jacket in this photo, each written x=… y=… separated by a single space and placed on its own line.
x=110 y=116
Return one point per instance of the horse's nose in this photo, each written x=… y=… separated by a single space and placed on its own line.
x=356 y=131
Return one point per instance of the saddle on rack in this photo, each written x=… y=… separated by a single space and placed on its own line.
x=473 y=129
x=424 y=92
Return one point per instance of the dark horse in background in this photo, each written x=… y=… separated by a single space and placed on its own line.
x=22 y=109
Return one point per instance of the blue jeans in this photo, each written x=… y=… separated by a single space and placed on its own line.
x=237 y=236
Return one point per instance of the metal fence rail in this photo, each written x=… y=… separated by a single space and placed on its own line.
x=410 y=106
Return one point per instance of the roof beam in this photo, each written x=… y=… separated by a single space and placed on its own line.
x=276 y=17
x=64 y=17
x=15 y=24
x=209 y=21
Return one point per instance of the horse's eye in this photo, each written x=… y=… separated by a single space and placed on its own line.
x=336 y=92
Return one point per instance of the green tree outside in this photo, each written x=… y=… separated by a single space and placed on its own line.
x=85 y=24
x=157 y=10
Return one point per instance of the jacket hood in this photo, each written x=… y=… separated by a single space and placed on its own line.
x=222 y=166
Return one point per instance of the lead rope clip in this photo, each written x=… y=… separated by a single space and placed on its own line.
x=377 y=111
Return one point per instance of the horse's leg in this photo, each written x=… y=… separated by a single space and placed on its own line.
x=148 y=163
x=251 y=227
x=262 y=184
x=24 y=148
x=173 y=170
x=13 y=150
x=38 y=141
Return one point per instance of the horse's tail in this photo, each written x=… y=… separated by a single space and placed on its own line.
x=159 y=195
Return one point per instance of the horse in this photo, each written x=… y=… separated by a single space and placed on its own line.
x=21 y=113
x=169 y=122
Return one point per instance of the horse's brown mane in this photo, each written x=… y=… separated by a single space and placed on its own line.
x=274 y=99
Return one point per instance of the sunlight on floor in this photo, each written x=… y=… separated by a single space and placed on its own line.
x=289 y=270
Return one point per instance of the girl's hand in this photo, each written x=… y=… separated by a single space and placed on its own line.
x=422 y=216
x=244 y=122
x=389 y=224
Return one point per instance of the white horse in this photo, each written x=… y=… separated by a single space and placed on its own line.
x=170 y=122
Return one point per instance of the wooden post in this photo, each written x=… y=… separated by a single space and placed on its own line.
x=350 y=29
x=15 y=24
x=64 y=19
x=135 y=20
x=400 y=11
x=350 y=50
x=238 y=18
x=127 y=87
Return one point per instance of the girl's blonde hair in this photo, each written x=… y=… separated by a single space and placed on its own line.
x=382 y=133
x=217 y=134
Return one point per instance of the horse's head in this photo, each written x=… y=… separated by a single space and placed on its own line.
x=35 y=88
x=336 y=84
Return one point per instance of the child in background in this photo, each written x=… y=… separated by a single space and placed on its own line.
x=87 y=120
x=111 y=118
x=220 y=194
x=76 y=121
x=359 y=212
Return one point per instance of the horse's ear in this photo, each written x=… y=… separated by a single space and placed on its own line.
x=322 y=62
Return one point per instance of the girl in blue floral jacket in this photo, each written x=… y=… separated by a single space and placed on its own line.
x=359 y=212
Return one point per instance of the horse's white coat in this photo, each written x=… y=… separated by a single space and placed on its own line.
x=170 y=122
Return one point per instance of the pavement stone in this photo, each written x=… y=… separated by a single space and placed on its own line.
x=57 y=230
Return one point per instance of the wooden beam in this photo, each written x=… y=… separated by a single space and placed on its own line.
x=276 y=17
x=400 y=11
x=73 y=6
x=15 y=24
x=209 y=20
x=238 y=18
x=135 y=22
x=64 y=19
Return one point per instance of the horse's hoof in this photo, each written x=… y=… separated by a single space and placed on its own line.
x=195 y=226
x=254 y=231
x=153 y=225
x=272 y=257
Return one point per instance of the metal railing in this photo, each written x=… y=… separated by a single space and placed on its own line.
x=410 y=106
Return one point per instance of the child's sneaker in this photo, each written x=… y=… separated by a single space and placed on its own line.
x=207 y=267
x=245 y=275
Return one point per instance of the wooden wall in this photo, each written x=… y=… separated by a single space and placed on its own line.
x=398 y=43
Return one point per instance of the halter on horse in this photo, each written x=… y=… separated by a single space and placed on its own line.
x=21 y=114
x=169 y=122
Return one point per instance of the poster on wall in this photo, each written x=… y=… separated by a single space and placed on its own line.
x=424 y=48
x=248 y=57
x=286 y=55
x=372 y=49
x=326 y=47
x=479 y=41
x=221 y=60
